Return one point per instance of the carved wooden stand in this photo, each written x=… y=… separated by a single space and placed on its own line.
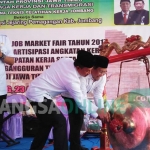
x=104 y=140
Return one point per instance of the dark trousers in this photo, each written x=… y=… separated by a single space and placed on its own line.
x=2 y=100
x=76 y=116
x=48 y=119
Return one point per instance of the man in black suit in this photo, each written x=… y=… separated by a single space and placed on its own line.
x=140 y=15
x=123 y=17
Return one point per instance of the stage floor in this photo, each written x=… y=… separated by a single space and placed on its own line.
x=88 y=141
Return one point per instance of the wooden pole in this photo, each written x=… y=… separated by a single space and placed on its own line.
x=104 y=140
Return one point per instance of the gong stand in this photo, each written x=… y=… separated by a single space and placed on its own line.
x=147 y=67
x=104 y=140
x=105 y=144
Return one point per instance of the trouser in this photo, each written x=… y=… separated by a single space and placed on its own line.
x=2 y=100
x=76 y=116
x=49 y=116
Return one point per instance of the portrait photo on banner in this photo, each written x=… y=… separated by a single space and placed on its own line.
x=131 y=12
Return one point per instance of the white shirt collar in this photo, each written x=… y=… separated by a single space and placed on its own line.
x=78 y=73
x=124 y=13
x=90 y=76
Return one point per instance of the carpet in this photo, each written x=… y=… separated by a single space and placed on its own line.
x=88 y=141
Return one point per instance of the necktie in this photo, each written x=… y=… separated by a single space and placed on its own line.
x=125 y=18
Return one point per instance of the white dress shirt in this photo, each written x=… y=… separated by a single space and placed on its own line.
x=61 y=77
x=88 y=85
x=6 y=48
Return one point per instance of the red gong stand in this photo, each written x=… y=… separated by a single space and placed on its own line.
x=129 y=56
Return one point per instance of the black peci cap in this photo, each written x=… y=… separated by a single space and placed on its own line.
x=85 y=58
x=100 y=61
x=124 y=1
x=138 y=0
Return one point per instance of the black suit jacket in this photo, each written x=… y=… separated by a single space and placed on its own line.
x=118 y=19
x=140 y=16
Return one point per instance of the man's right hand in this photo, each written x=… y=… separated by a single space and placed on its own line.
x=103 y=115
